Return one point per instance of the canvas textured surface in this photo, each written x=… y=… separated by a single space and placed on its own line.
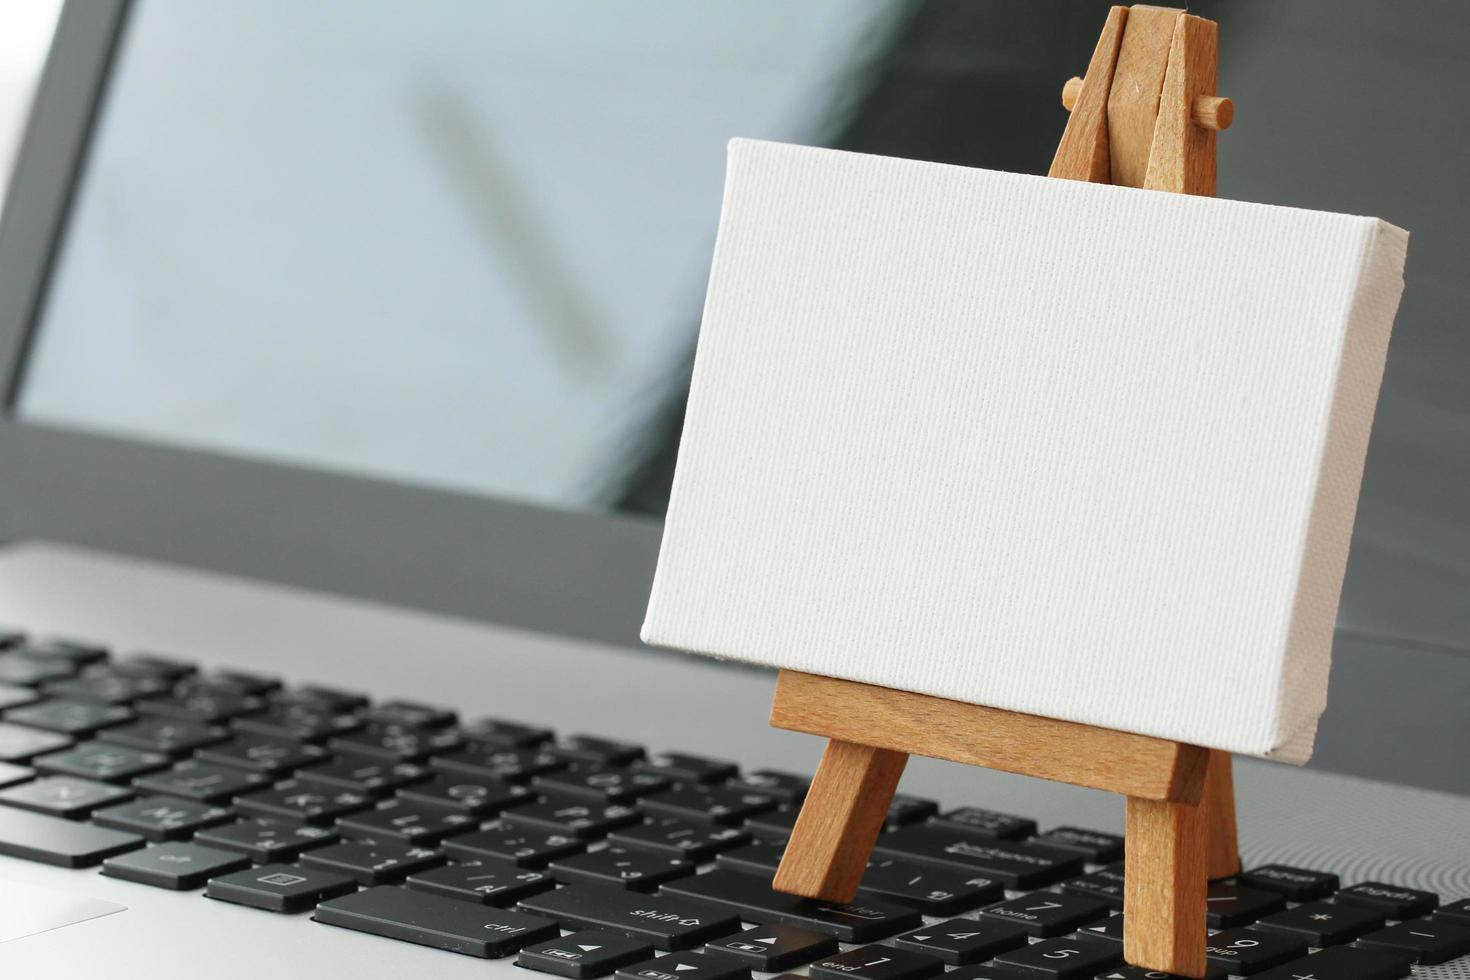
x=1070 y=449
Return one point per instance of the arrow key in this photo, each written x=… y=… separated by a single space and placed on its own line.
x=685 y=966
x=963 y=941
x=773 y=948
x=591 y=953
x=878 y=963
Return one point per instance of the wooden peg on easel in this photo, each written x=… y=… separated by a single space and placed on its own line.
x=1145 y=115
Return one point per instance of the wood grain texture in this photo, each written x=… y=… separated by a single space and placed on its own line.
x=1100 y=758
x=1164 y=888
x=839 y=821
x=1217 y=806
x=1083 y=152
x=1210 y=111
x=1182 y=156
x=1133 y=98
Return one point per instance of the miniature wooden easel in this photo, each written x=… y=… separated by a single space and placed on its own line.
x=1144 y=116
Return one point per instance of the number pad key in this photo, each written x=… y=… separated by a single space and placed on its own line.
x=1343 y=963
x=960 y=942
x=1065 y=959
x=878 y=963
x=1228 y=906
x=1247 y=951
x=1046 y=914
x=1428 y=941
x=1325 y=923
x=1296 y=884
x=1396 y=902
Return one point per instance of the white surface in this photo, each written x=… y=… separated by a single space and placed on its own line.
x=26 y=910
x=1359 y=829
x=1075 y=450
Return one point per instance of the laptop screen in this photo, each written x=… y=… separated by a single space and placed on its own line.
x=461 y=245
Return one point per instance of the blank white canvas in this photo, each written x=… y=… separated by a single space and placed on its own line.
x=1069 y=449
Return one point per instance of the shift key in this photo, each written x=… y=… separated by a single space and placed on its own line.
x=668 y=922
x=1015 y=865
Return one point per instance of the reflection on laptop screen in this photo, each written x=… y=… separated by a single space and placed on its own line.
x=462 y=245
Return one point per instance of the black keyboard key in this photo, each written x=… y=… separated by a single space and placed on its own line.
x=931 y=890
x=523 y=846
x=409 y=714
x=1428 y=941
x=101 y=761
x=761 y=858
x=1021 y=866
x=600 y=783
x=177 y=865
x=770 y=949
x=686 y=768
x=987 y=823
x=105 y=687
x=1459 y=911
x=10 y=637
x=373 y=862
x=197 y=780
x=280 y=887
x=1105 y=886
x=296 y=799
x=990 y=971
x=62 y=796
x=506 y=734
x=1065 y=959
x=1396 y=902
x=1096 y=846
x=774 y=823
x=1247 y=951
x=585 y=954
x=685 y=966
x=599 y=751
x=260 y=753
x=12 y=774
x=69 y=717
x=229 y=682
x=906 y=809
x=54 y=840
x=489 y=881
x=667 y=921
x=586 y=819
x=490 y=762
x=621 y=867
x=1106 y=929
x=397 y=742
x=787 y=787
x=164 y=734
x=202 y=706
x=754 y=900
x=878 y=963
x=432 y=920
x=960 y=942
x=1045 y=914
x=12 y=696
x=1325 y=923
x=325 y=699
x=411 y=823
x=75 y=653
x=680 y=838
x=29 y=672
x=1126 y=972
x=296 y=721
x=19 y=743
x=160 y=818
x=267 y=841
x=708 y=804
x=152 y=665
x=366 y=774
x=1342 y=963
x=482 y=798
x=1296 y=884
x=1228 y=906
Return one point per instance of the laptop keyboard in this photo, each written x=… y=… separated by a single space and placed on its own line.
x=582 y=856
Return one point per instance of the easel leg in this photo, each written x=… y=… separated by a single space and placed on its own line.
x=840 y=821
x=1164 y=888
x=1217 y=805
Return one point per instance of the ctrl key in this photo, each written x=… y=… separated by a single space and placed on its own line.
x=432 y=920
x=280 y=887
x=581 y=955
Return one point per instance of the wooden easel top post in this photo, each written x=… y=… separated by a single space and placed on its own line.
x=1145 y=115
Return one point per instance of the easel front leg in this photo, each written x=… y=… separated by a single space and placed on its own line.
x=840 y=821
x=1164 y=887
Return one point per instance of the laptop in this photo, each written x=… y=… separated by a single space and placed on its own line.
x=346 y=347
